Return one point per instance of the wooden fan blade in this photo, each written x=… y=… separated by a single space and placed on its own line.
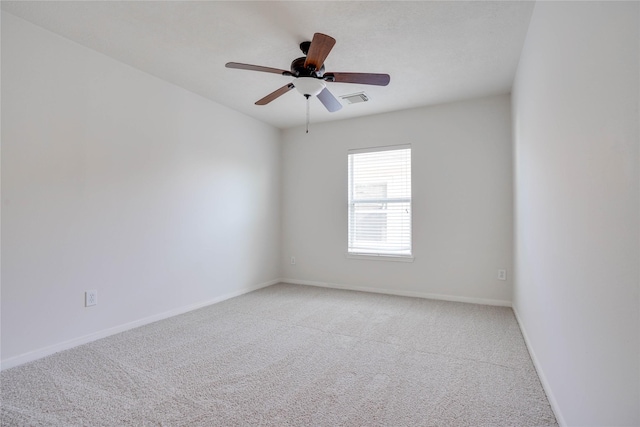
x=362 y=78
x=329 y=101
x=320 y=47
x=275 y=94
x=257 y=68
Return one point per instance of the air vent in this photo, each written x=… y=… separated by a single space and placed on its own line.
x=354 y=98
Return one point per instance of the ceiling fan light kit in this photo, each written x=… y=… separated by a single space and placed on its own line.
x=310 y=77
x=309 y=86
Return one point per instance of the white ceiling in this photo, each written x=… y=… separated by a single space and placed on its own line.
x=434 y=51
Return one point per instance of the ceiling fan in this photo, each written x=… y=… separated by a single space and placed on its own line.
x=310 y=75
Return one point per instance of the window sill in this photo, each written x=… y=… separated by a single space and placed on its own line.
x=374 y=257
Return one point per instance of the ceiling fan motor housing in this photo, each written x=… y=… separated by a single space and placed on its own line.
x=298 y=69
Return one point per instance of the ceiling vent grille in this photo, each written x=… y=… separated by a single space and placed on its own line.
x=354 y=98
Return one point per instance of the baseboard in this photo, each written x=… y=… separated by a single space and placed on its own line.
x=483 y=301
x=543 y=379
x=46 y=351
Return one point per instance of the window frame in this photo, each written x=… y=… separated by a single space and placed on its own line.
x=381 y=255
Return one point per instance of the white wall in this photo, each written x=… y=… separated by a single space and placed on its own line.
x=575 y=114
x=117 y=181
x=462 y=201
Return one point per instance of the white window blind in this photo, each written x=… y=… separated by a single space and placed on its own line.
x=380 y=201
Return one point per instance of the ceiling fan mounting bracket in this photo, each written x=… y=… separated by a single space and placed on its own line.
x=304 y=47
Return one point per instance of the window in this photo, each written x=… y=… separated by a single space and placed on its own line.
x=380 y=201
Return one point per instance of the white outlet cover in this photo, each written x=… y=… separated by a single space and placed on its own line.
x=90 y=298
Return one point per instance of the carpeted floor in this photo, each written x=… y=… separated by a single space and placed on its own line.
x=292 y=355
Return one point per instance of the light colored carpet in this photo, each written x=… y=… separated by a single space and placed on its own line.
x=292 y=355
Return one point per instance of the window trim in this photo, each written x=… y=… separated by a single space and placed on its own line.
x=372 y=255
x=377 y=257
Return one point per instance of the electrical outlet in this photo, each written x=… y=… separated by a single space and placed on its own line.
x=293 y=260
x=502 y=274
x=90 y=298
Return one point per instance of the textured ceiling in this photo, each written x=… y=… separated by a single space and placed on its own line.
x=434 y=51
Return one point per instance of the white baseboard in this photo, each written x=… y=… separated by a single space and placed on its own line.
x=543 y=379
x=46 y=351
x=471 y=300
